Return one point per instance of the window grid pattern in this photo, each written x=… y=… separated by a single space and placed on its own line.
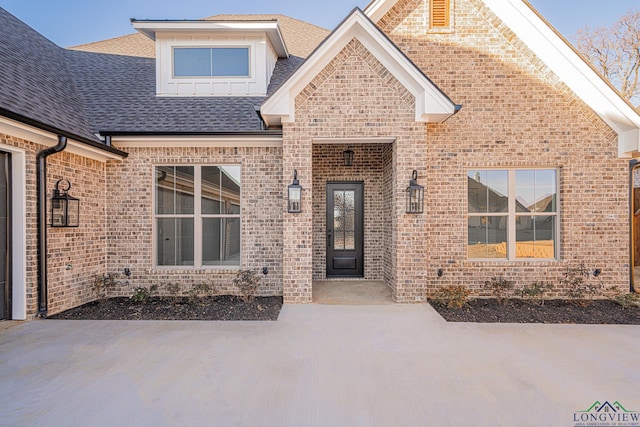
x=512 y=214
x=197 y=215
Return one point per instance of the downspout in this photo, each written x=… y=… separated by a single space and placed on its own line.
x=633 y=164
x=42 y=221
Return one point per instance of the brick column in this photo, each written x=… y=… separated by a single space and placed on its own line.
x=297 y=258
x=410 y=243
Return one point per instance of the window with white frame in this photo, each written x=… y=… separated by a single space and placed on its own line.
x=512 y=214
x=211 y=62
x=197 y=215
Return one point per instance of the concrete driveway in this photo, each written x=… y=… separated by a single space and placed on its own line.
x=319 y=365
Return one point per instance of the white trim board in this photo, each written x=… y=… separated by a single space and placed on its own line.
x=562 y=59
x=432 y=105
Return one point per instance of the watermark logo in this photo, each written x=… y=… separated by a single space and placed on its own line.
x=606 y=414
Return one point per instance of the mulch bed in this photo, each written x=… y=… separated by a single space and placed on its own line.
x=553 y=311
x=223 y=307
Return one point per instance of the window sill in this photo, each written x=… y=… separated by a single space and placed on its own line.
x=513 y=261
x=195 y=270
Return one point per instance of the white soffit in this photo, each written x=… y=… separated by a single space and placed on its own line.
x=196 y=141
x=48 y=139
x=432 y=105
x=572 y=70
x=270 y=28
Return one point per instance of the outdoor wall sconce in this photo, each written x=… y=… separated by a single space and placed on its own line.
x=65 y=209
x=295 y=195
x=415 y=195
x=347 y=156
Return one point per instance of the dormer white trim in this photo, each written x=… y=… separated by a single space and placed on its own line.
x=270 y=28
x=432 y=105
x=262 y=39
x=564 y=61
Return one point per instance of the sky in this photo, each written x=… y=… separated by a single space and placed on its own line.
x=74 y=22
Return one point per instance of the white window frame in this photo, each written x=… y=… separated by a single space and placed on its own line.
x=197 y=216
x=248 y=77
x=511 y=215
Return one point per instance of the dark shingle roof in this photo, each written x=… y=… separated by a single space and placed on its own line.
x=121 y=94
x=110 y=86
x=300 y=37
x=35 y=82
x=120 y=88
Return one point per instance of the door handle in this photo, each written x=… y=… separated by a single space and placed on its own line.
x=328 y=238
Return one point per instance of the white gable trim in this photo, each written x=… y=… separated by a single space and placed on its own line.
x=572 y=70
x=378 y=8
x=568 y=65
x=432 y=106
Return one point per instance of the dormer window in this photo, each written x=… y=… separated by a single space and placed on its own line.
x=211 y=62
x=214 y=58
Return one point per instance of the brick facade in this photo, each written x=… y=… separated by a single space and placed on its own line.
x=74 y=254
x=368 y=167
x=130 y=220
x=515 y=113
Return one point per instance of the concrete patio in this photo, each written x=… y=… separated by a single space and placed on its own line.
x=319 y=365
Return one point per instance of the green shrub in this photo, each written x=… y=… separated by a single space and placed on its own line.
x=629 y=300
x=172 y=290
x=103 y=283
x=536 y=291
x=199 y=291
x=247 y=281
x=578 y=289
x=453 y=296
x=142 y=294
x=500 y=288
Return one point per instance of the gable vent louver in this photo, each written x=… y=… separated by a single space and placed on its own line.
x=439 y=13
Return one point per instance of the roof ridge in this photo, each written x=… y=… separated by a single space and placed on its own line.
x=266 y=14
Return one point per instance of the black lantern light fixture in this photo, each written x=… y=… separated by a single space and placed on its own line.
x=347 y=156
x=65 y=209
x=415 y=195
x=295 y=195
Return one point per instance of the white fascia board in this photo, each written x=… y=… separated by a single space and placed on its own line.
x=572 y=70
x=431 y=103
x=48 y=139
x=179 y=141
x=270 y=28
x=378 y=8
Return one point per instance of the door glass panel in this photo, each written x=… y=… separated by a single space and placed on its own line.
x=338 y=220
x=344 y=220
x=349 y=200
x=349 y=231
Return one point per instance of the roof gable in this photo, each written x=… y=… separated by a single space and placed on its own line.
x=432 y=105
x=552 y=49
